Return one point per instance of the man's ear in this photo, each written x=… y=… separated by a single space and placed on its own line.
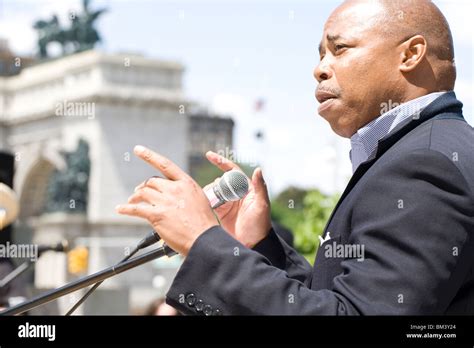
x=413 y=51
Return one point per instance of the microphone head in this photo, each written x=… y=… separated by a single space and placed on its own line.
x=233 y=185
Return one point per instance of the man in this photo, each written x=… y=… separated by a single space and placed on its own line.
x=408 y=209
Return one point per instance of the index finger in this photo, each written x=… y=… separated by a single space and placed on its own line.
x=163 y=164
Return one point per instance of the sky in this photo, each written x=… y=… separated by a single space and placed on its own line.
x=235 y=53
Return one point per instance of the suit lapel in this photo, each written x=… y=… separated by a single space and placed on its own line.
x=440 y=108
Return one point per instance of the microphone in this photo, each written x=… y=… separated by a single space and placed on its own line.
x=62 y=246
x=232 y=186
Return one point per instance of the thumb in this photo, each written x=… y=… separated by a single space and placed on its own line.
x=259 y=184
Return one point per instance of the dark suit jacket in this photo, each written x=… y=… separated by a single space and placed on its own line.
x=411 y=208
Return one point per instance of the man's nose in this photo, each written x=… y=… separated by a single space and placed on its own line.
x=322 y=72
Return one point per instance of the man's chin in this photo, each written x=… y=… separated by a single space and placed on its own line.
x=334 y=118
x=329 y=114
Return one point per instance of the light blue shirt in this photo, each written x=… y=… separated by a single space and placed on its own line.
x=365 y=141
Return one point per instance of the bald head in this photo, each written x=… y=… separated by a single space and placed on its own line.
x=399 y=20
x=407 y=18
x=402 y=19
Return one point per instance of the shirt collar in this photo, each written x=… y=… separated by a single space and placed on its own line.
x=365 y=141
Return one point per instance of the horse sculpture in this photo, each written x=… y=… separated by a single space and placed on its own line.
x=80 y=36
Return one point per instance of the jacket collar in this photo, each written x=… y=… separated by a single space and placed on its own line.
x=445 y=104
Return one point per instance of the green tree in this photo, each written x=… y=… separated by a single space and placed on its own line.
x=287 y=207
x=306 y=220
x=206 y=172
x=316 y=213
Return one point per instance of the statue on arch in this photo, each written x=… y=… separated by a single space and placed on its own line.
x=80 y=36
x=68 y=189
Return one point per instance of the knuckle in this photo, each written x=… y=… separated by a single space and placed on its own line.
x=165 y=164
x=223 y=160
x=139 y=194
x=155 y=219
x=147 y=155
x=152 y=183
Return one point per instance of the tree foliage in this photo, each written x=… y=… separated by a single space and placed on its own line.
x=306 y=213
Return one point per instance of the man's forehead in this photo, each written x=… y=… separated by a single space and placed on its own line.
x=355 y=15
x=351 y=20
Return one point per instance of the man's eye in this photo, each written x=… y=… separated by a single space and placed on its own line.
x=339 y=47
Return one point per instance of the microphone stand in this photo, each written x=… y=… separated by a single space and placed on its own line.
x=14 y=274
x=89 y=280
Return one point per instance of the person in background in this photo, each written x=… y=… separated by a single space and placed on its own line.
x=160 y=307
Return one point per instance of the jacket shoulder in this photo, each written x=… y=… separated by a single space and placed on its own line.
x=452 y=138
